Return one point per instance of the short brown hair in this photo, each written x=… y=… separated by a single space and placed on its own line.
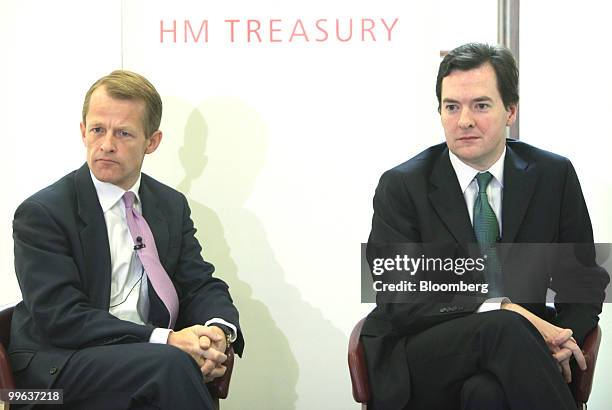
x=127 y=85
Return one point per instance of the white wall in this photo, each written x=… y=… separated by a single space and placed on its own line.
x=50 y=53
x=565 y=107
x=278 y=147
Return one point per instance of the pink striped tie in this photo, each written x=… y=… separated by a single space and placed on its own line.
x=144 y=243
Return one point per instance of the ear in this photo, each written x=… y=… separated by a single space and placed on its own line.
x=513 y=112
x=153 y=142
x=83 y=134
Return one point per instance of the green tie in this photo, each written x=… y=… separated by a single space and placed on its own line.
x=487 y=234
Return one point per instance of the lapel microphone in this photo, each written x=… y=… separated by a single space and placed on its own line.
x=140 y=244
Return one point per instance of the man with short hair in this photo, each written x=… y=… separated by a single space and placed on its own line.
x=479 y=188
x=119 y=309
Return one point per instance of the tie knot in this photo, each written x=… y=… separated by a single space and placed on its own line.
x=483 y=180
x=128 y=199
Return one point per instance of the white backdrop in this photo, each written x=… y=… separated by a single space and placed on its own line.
x=279 y=145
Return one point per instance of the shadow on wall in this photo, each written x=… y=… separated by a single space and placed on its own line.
x=223 y=151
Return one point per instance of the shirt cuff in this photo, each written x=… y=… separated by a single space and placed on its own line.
x=492 y=304
x=233 y=331
x=160 y=335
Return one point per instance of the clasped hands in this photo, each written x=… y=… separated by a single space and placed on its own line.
x=206 y=344
x=559 y=340
x=563 y=346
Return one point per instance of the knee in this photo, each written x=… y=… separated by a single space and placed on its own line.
x=506 y=323
x=173 y=377
x=171 y=359
x=505 y=330
x=482 y=391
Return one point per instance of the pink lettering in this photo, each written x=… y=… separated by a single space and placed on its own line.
x=203 y=26
x=369 y=29
x=350 y=35
x=321 y=29
x=295 y=33
x=253 y=30
x=389 y=29
x=274 y=30
x=162 y=31
x=232 y=28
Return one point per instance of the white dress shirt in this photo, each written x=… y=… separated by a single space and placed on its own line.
x=495 y=192
x=129 y=293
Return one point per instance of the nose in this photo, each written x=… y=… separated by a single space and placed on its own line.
x=108 y=143
x=466 y=119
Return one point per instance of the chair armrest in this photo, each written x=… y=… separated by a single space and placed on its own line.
x=6 y=317
x=6 y=375
x=219 y=388
x=357 y=366
x=583 y=380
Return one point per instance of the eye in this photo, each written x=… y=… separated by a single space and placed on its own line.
x=96 y=130
x=482 y=106
x=451 y=107
x=123 y=133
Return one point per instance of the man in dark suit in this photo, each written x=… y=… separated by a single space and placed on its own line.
x=464 y=353
x=95 y=321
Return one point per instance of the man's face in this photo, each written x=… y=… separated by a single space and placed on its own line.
x=115 y=138
x=474 y=117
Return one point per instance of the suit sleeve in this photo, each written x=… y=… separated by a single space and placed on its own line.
x=52 y=287
x=585 y=284
x=202 y=296
x=396 y=222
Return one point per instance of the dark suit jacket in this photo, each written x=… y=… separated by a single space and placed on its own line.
x=421 y=201
x=63 y=266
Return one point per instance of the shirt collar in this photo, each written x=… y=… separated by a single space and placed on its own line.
x=466 y=174
x=109 y=194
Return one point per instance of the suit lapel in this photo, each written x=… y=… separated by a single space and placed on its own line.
x=155 y=218
x=447 y=199
x=94 y=240
x=519 y=184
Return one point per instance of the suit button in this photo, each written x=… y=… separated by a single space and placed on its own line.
x=53 y=370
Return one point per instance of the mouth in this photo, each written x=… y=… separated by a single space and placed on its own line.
x=468 y=138
x=106 y=161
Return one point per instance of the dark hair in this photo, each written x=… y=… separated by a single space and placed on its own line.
x=473 y=55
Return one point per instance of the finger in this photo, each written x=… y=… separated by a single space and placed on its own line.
x=218 y=371
x=567 y=371
x=208 y=332
x=194 y=350
x=215 y=355
x=220 y=346
x=204 y=342
x=199 y=360
x=563 y=354
x=207 y=367
x=578 y=355
x=562 y=337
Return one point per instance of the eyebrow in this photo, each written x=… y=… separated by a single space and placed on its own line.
x=477 y=99
x=120 y=126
